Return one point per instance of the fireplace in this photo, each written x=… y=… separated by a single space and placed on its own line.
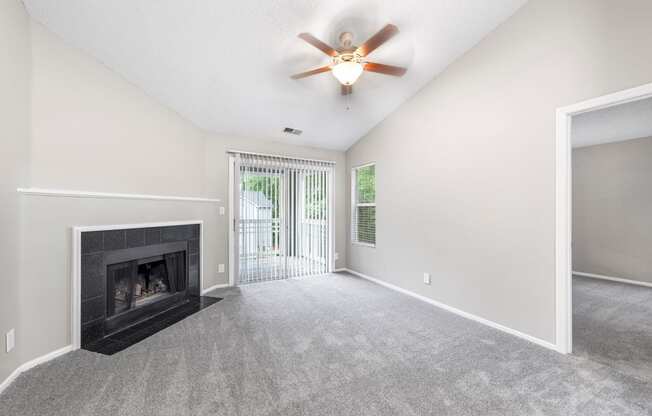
x=143 y=282
x=131 y=276
x=134 y=284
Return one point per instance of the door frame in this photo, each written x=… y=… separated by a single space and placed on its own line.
x=564 y=199
x=234 y=177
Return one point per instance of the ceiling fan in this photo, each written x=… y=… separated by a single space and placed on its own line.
x=350 y=61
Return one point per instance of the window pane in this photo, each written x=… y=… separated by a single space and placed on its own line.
x=261 y=191
x=366 y=224
x=366 y=184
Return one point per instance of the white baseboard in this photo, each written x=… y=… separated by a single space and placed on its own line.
x=613 y=279
x=459 y=312
x=214 y=287
x=33 y=363
x=340 y=270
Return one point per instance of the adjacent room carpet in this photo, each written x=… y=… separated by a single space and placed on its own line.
x=333 y=345
x=612 y=324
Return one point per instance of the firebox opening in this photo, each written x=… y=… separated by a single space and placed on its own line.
x=151 y=283
x=137 y=283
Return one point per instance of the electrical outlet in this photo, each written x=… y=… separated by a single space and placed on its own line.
x=426 y=278
x=220 y=268
x=222 y=211
x=11 y=340
x=337 y=256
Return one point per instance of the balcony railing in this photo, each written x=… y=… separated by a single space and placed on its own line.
x=263 y=254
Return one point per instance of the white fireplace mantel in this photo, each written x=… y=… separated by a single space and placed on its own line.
x=64 y=193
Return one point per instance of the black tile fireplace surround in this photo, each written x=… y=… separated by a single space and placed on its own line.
x=131 y=275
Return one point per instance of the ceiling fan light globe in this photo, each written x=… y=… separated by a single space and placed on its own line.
x=347 y=73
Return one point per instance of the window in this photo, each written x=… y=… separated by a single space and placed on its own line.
x=363 y=196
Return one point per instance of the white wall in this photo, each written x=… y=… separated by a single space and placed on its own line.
x=90 y=129
x=466 y=168
x=612 y=201
x=14 y=142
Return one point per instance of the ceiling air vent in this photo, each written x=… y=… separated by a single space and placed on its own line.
x=290 y=130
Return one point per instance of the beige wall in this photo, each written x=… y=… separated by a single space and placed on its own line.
x=466 y=168
x=89 y=130
x=612 y=202
x=14 y=142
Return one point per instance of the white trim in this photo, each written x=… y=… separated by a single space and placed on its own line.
x=75 y=300
x=613 y=279
x=33 y=363
x=76 y=265
x=109 y=195
x=353 y=220
x=364 y=165
x=300 y=159
x=214 y=287
x=331 y=219
x=610 y=100
x=456 y=311
x=201 y=256
x=563 y=228
x=563 y=209
x=84 y=228
x=231 y=225
x=341 y=270
x=361 y=244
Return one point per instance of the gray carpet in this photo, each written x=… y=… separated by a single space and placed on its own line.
x=612 y=324
x=334 y=345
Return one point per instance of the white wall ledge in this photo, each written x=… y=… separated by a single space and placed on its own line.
x=63 y=193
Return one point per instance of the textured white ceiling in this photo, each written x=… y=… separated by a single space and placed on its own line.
x=225 y=65
x=613 y=124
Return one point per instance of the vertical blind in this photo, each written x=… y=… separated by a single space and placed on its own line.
x=284 y=218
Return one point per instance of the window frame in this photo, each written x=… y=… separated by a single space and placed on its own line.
x=355 y=204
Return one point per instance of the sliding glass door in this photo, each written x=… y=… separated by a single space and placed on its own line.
x=282 y=219
x=260 y=232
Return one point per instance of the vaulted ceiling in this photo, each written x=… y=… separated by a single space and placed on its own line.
x=225 y=65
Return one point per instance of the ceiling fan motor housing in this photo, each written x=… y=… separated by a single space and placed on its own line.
x=346 y=40
x=347 y=57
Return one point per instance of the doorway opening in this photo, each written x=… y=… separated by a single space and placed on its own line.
x=600 y=160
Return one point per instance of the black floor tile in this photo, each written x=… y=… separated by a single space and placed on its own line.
x=106 y=346
x=134 y=334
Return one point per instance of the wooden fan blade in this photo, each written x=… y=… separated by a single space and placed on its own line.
x=311 y=72
x=396 y=71
x=378 y=39
x=347 y=89
x=318 y=44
